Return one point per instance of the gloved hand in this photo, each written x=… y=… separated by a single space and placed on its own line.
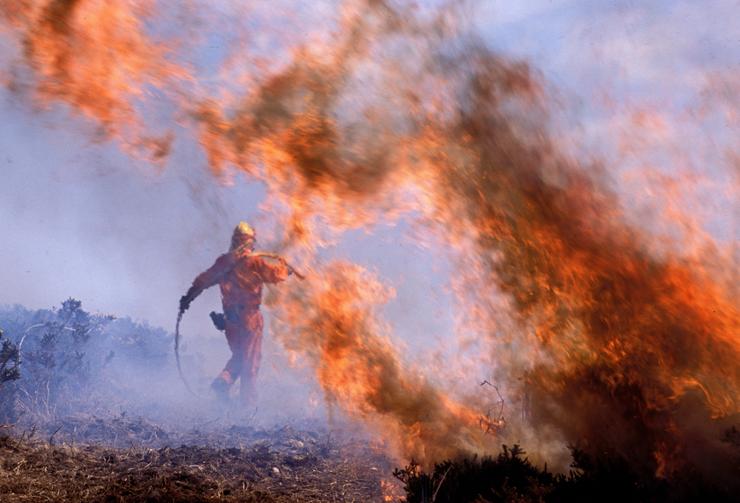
x=219 y=320
x=286 y=265
x=186 y=299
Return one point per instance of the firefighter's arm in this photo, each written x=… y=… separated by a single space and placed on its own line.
x=207 y=279
x=272 y=272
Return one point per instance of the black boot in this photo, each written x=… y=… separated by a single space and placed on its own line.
x=220 y=388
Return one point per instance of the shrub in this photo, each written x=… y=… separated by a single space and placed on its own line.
x=510 y=477
x=67 y=360
x=9 y=373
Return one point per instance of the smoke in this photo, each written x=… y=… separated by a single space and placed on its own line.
x=397 y=112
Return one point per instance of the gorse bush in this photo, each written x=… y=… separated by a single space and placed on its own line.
x=55 y=365
x=9 y=360
x=511 y=477
x=9 y=373
x=67 y=360
x=508 y=477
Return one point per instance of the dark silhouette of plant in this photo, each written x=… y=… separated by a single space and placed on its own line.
x=9 y=373
x=9 y=360
x=510 y=477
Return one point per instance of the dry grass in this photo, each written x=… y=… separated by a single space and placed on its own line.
x=283 y=466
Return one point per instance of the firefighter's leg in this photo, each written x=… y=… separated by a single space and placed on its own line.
x=251 y=358
x=236 y=338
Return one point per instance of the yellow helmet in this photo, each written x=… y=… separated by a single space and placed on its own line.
x=243 y=234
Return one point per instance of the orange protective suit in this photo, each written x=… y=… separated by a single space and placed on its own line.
x=241 y=275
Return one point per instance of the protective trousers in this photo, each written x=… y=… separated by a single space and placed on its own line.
x=244 y=335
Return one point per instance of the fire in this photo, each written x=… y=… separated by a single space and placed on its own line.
x=334 y=323
x=585 y=319
x=391 y=491
x=95 y=56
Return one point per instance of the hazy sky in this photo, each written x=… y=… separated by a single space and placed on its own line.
x=76 y=220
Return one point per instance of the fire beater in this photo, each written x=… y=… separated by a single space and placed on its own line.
x=240 y=274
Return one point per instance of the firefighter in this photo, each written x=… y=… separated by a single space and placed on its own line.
x=240 y=274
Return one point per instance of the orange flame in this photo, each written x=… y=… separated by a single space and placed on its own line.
x=96 y=56
x=333 y=322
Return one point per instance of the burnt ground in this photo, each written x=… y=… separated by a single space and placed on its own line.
x=91 y=459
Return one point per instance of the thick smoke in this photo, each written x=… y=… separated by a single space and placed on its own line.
x=400 y=112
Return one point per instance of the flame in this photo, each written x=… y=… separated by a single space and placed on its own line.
x=399 y=112
x=391 y=491
x=333 y=321
x=95 y=56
